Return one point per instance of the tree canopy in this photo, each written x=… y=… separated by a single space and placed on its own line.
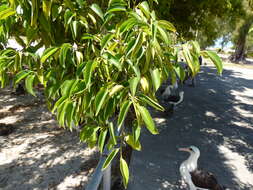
x=99 y=61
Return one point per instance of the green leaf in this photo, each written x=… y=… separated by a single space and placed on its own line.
x=124 y=171
x=66 y=87
x=115 y=89
x=156 y=79
x=46 y=7
x=151 y=102
x=144 y=84
x=136 y=131
x=95 y=7
x=188 y=57
x=106 y=39
x=69 y=113
x=87 y=131
x=35 y=12
x=21 y=75
x=216 y=60
x=134 y=144
x=90 y=66
x=180 y=72
x=61 y=113
x=148 y=120
x=110 y=107
x=100 y=99
x=63 y=53
x=47 y=53
x=74 y=27
x=29 y=84
x=127 y=25
x=59 y=102
x=6 y=13
x=112 y=60
x=145 y=8
x=123 y=112
x=167 y=25
x=112 y=134
x=110 y=158
x=163 y=35
x=138 y=44
x=116 y=8
x=133 y=84
x=101 y=139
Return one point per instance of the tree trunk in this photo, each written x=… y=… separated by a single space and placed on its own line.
x=239 y=54
x=117 y=181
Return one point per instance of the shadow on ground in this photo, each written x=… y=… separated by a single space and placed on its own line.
x=39 y=154
x=217 y=117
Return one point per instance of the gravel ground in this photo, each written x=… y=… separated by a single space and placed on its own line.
x=39 y=155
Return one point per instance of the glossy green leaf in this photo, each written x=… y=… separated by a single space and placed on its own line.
x=110 y=107
x=137 y=44
x=110 y=158
x=124 y=171
x=95 y=7
x=148 y=120
x=63 y=53
x=66 y=87
x=151 y=102
x=112 y=60
x=58 y=103
x=145 y=8
x=156 y=79
x=21 y=75
x=101 y=139
x=134 y=144
x=100 y=99
x=46 y=7
x=69 y=113
x=163 y=35
x=144 y=84
x=29 y=84
x=112 y=133
x=106 y=39
x=180 y=72
x=6 y=13
x=133 y=84
x=89 y=68
x=136 y=131
x=123 y=112
x=34 y=12
x=215 y=59
x=74 y=28
x=87 y=131
x=48 y=53
x=166 y=25
x=127 y=25
x=115 y=89
x=116 y=8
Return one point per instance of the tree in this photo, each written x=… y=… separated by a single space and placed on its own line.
x=239 y=36
x=99 y=61
x=201 y=20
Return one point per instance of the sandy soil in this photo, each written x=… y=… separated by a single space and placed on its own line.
x=39 y=155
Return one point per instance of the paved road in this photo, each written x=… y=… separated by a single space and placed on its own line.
x=217 y=117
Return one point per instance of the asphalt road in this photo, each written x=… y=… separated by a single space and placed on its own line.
x=217 y=117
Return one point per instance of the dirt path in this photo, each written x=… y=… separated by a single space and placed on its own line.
x=39 y=155
x=217 y=117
